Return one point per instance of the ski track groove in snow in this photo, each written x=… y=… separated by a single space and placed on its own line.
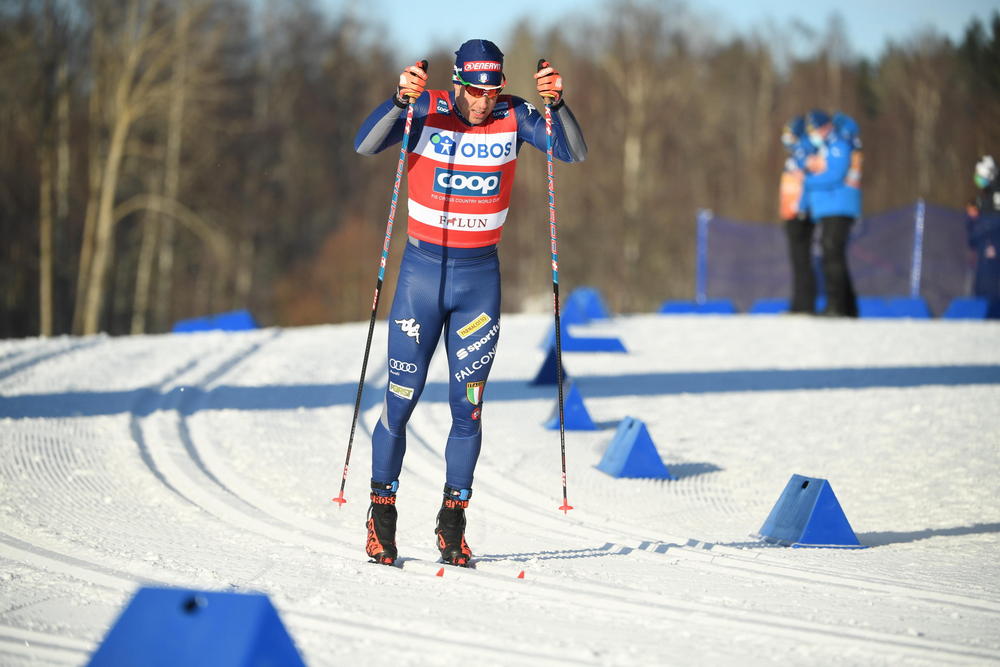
x=19 y=365
x=425 y=461
x=591 y=564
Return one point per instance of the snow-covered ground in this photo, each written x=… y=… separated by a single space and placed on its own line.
x=209 y=460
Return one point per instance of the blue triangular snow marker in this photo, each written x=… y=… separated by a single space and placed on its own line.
x=583 y=305
x=808 y=515
x=591 y=344
x=547 y=373
x=571 y=343
x=575 y=415
x=173 y=626
x=632 y=453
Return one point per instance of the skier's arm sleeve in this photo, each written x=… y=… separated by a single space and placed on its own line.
x=838 y=161
x=384 y=126
x=568 y=143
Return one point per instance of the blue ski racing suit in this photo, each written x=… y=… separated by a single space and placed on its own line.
x=459 y=180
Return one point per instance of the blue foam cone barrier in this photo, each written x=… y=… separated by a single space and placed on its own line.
x=632 y=453
x=173 y=626
x=571 y=343
x=585 y=304
x=547 y=373
x=575 y=415
x=808 y=514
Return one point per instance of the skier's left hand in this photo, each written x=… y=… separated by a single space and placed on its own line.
x=549 y=83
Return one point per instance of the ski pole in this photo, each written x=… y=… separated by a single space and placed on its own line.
x=553 y=237
x=378 y=286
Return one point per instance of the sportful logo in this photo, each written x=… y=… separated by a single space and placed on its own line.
x=463 y=352
x=410 y=327
x=401 y=366
x=443 y=145
x=466 y=183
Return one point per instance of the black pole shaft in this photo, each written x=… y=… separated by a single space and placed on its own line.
x=554 y=244
x=378 y=287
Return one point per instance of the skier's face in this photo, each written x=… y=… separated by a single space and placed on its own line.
x=476 y=104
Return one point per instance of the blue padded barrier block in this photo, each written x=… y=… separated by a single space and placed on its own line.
x=575 y=415
x=165 y=627
x=967 y=308
x=632 y=453
x=713 y=307
x=236 y=320
x=905 y=306
x=769 y=307
x=808 y=514
x=895 y=306
x=873 y=306
x=778 y=306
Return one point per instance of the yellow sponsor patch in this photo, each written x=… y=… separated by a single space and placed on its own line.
x=474 y=326
x=401 y=391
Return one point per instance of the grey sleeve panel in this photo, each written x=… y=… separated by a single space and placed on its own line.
x=375 y=140
x=574 y=135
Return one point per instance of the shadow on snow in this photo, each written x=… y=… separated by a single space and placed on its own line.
x=188 y=400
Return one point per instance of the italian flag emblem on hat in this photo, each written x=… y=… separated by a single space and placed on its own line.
x=474 y=391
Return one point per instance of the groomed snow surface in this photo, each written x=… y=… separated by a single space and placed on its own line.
x=209 y=461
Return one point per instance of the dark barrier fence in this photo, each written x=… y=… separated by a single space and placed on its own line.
x=918 y=250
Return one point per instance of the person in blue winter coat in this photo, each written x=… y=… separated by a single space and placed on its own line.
x=794 y=212
x=834 y=201
x=461 y=159
x=983 y=227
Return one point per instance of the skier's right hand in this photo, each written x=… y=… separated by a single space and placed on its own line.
x=412 y=82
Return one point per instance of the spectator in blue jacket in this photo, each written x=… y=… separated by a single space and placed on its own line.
x=834 y=204
x=983 y=226
x=794 y=211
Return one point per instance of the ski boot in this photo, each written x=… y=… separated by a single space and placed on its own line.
x=450 y=529
x=381 y=545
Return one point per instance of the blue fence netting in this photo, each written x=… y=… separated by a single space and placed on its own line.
x=914 y=251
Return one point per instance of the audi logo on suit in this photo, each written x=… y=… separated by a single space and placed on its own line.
x=402 y=366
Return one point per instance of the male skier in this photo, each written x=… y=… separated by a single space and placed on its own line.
x=462 y=153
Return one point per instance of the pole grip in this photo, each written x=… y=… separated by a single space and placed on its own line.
x=424 y=65
x=542 y=64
